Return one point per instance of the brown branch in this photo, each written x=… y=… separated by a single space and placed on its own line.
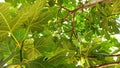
x=21 y=56
x=21 y=53
x=73 y=26
x=106 y=65
x=118 y=55
x=68 y=12
x=64 y=19
x=65 y=8
x=93 y=3
x=107 y=56
x=83 y=6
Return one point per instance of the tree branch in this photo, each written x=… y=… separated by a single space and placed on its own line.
x=93 y=3
x=7 y=59
x=106 y=65
x=107 y=56
x=65 y=8
x=73 y=26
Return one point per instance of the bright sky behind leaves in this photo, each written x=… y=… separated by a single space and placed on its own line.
x=2 y=1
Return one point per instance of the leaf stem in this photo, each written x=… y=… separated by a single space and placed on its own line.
x=17 y=43
x=5 y=21
x=7 y=59
x=106 y=65
x=73 y=26
x=21 y=55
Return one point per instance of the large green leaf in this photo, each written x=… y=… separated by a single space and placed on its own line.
x=43 y=46
x=24 y=17
x=51 y=3
x=45 y=27
x=66 y=66
x=39 y=63
x=60 y=2
x=20 y=34
x=7 y=50
x=32 y=54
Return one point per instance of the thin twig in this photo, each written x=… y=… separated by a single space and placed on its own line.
x=64 y=19
x=21 y=55
x=107 y=56
x=106 y=65
x=82 y=7
x=73 y=26
x=89 y=5
x=65 y=8
x=7 y=59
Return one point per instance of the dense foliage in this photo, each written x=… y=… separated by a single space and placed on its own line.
x=59 y=34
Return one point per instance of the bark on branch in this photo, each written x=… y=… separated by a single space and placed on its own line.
x=87 y=5
x=106 y=65
x=93 y=3
x=107 y=56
